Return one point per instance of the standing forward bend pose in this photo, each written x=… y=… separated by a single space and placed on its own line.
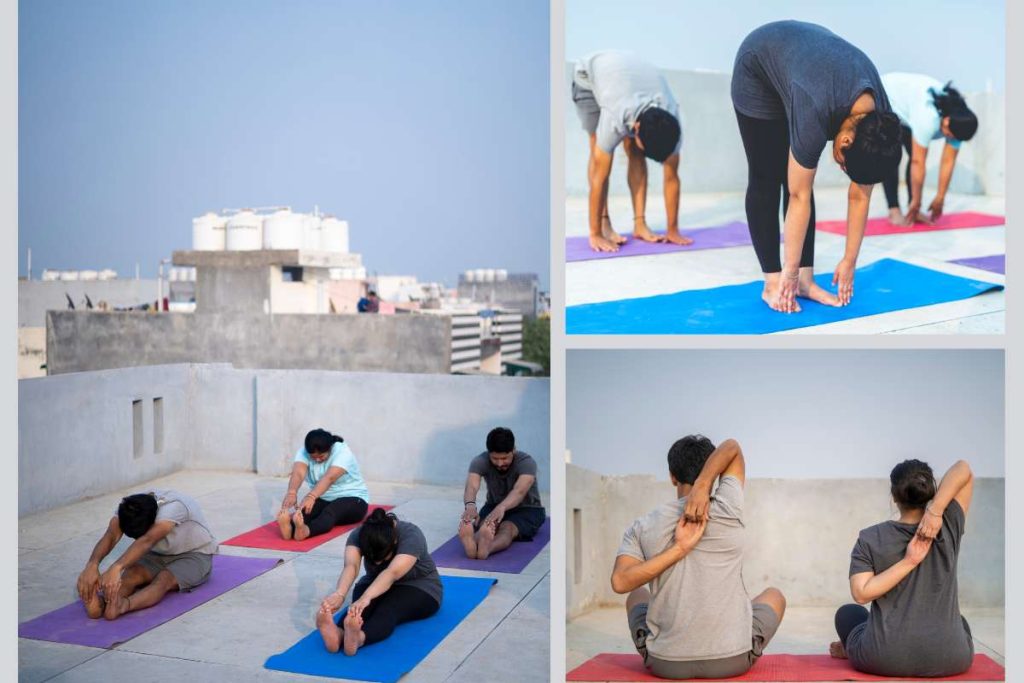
x=928 y=111
x=513 y=511
x=401 y=584
x=621 y=98
x=906 y=569
x=173 y=551
x=795 y=86
x=337 y=492
x=696 y=620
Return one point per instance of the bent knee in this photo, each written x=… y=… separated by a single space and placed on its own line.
x=165 y=579
x=775 y=599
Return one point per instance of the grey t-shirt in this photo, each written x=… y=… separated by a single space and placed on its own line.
x=806 y=74
x=699 y=607
x=624 y=86
x=411 y=541
x=499 y=484
x=915 y=629
x=191 y=533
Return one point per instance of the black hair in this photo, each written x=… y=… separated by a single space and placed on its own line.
x=501 y=440
x=687 y=456
x=136 y=514
x=321 y=441
x=963 y=123
x=659 y=133
x=378 y=536
x=876 y=150
x=912 y=484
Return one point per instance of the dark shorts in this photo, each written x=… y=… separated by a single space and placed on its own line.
x=527 y=520
x=765 y=623
x=189 y=569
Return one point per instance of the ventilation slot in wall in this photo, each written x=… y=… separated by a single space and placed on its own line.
x=158 y=425
x=138 y=442
x=577 y=545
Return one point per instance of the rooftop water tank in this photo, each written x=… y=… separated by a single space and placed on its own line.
x=469 y=276
x=88 y=275
x=208 y=232
x=312 y=232
x=501 y=275
x=51 y=275
x=489 y=275
x=69 y=275
x=334 y=235
x=284 y=230
x=108 y=274
x=481 y=273
x=244 y=231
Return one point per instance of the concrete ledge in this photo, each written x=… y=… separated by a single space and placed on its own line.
x=266 y=257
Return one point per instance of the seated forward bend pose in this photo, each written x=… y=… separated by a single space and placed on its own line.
x=906 y=569
x=696 y=621
x=928 y=111
x=621 y=98
x=513 y=511
x=337 y=492
x=795 y=86
x=401 y=584
x=173 y=551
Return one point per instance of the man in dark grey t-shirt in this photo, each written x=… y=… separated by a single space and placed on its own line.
x=513 y=511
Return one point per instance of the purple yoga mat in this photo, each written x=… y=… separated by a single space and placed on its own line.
x=728 y=235
x=69 y=624
x=993 y=264
x=512 y=560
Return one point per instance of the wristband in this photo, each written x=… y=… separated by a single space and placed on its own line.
x=468 y=503
x=929 y=511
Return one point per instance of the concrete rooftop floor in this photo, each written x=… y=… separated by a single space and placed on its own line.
x=637 y=276
x=229 y=638
x=804 y=630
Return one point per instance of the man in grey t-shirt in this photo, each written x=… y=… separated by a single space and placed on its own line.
x=621 y=98
x=513 y=511
x=173 y=550
x=696 y=619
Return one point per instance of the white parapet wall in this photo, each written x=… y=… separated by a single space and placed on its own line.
x=799 y=535
x=89 y=433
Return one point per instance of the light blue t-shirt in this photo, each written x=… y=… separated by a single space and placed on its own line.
x=911 y=101
x=348 y=485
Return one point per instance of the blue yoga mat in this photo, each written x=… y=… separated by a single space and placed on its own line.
x=884 y=286
x=394 y=657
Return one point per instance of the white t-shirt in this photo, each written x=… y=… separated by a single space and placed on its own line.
x=911 y=101
x=348 y=485
x=624 y=86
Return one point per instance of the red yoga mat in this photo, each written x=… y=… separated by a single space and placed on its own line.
x=629 y=667
x=949 y=221
x=268 y=536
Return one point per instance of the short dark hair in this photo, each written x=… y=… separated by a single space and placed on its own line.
x=876 y=150
x=912 y=484
x=687 y=456
x=378 y=536
x=136 y=514
x=321 y=441
x=963 y=124
x=501 y=440
x=659 y=133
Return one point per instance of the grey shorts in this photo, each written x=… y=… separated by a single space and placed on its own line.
x=189 y=569
x=765 y=623
x=586 y=108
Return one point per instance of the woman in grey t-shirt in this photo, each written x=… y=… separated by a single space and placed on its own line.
x=401 y=584
x=907 y=570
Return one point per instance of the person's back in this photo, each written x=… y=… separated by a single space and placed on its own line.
x=191 y=531
x=699 y=607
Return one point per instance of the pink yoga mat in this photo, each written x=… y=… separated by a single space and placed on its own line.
x=69 y=624
x=950 y=221
x=629 y=667
x=733 y=234
x=268 y=536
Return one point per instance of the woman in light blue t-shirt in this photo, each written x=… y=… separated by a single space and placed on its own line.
x=337 y=495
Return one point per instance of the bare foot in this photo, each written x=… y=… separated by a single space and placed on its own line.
x=284 y=523
x=468 y=538
x=94 y=608
x=485 y=537
x=642 y=232
x=837 y=650
x=809 y=289
x=301 y=530
x=676 y=238
x=608 y=232
x=770 y=295
x=115 y=608
x=329 y=631
x=354 y=636
x=895 y=217
x=599 y=243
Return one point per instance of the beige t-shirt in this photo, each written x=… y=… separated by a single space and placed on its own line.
x=699 y=607
x=191 y=533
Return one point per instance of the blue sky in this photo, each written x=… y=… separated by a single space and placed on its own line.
x=962 y=40
x=425 y=125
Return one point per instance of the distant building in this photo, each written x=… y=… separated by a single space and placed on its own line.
x=515 y=291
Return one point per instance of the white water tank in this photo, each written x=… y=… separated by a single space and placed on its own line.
x=88 y=275
x=208 y=232
x=489 y=275
x=469 y=276
x=108 y=274
x=244 y=231
x=311 y=232
x=334 y=235
x=481 y=273
x=501 y=275
x=69 y=275
x=284 y=230
x=51 y=275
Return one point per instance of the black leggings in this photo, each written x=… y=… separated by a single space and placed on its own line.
x=848 y=617
x=891 y=184
x=766 y=143
x=398 y=605
x=326 y=515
